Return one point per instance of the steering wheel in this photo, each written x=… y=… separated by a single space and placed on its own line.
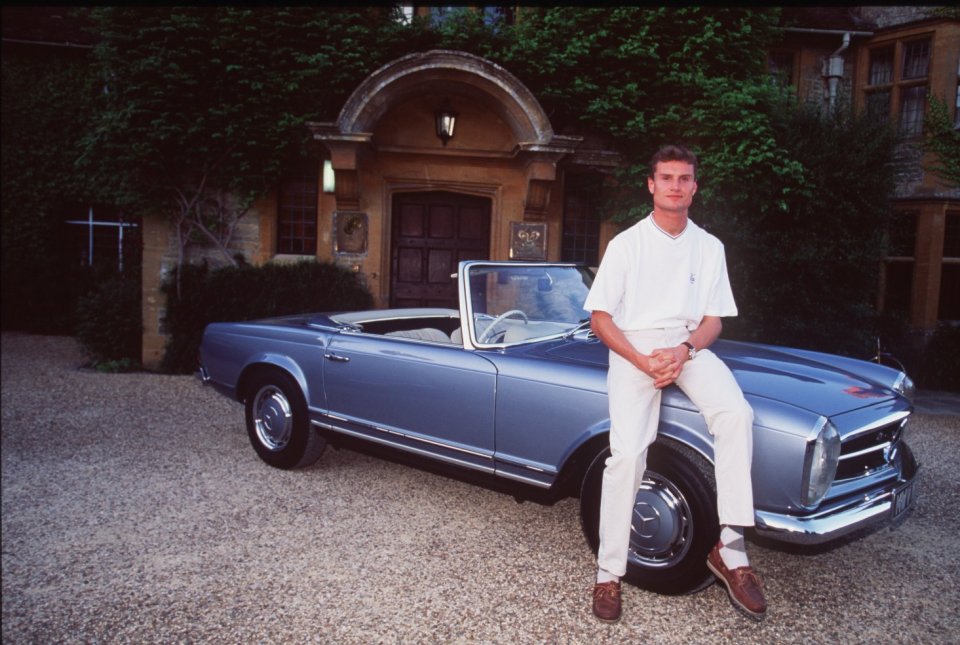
x=489 y=332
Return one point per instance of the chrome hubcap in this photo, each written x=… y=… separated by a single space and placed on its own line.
x=662 y=524
x=273 y=418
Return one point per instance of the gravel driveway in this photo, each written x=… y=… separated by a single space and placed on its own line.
x=135 y=510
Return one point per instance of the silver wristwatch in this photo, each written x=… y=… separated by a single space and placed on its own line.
x=691 y=350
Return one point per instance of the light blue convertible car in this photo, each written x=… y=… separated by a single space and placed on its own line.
x=513 y=385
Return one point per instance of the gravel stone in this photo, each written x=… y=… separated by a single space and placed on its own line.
x=134 y=510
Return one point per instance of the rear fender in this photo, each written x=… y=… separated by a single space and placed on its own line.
x=268 y=360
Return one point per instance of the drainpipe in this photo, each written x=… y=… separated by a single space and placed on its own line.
x=833 y=72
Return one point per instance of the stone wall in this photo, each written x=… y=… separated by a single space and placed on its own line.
x=161 y=254
x=884 y=17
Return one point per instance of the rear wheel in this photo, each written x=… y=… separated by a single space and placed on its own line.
x=674 y=522
x=278 y=424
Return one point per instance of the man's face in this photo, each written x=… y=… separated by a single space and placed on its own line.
x=672 y=186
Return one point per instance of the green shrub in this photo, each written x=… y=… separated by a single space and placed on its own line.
x=804 y=271
x=930 y=359
x=941 y=365
x=109 y=324
x=247 y=293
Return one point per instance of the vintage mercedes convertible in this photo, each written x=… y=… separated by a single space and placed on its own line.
x=513 y=385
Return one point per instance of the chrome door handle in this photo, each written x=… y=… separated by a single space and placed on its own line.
x=333 y=357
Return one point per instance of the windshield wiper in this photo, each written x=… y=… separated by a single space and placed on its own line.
x=584 y=324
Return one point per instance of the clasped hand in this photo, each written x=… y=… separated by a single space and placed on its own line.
x=664 y=365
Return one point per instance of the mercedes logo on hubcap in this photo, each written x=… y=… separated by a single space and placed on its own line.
x=646 y=521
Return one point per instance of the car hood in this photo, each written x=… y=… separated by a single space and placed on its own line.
x=821 y=383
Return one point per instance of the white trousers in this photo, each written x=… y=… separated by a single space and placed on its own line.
x=634 y=417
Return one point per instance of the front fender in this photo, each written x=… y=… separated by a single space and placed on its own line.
x=780 y=433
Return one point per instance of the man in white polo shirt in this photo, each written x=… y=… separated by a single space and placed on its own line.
x=656 y=303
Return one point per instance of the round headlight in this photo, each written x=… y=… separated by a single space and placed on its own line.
x=823 y=454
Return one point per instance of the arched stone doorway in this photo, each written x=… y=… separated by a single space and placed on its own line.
x=386 y=155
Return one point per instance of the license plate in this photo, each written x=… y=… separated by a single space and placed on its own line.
x=903 y=500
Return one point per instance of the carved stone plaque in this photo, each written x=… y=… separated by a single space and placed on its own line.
x=528 y=240
x=351 y=229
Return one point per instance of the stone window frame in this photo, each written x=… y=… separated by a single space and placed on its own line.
x=950 y=266
x=896 y=81
x=298 y=194
x=902 y=257
x=581 y=233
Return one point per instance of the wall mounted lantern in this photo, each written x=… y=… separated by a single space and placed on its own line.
x=446 y=120
x=329 y=179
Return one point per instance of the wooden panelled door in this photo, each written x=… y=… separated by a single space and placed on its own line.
x=432 y=233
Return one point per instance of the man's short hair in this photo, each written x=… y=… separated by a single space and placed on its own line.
x=673 y=153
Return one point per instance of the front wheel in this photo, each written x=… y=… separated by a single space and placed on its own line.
x=278 y=424
x=674 y=522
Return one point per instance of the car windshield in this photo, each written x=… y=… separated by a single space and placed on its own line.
x=515 y=303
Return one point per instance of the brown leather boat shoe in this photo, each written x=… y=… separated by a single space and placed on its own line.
x=743 y=585
x=606 y=601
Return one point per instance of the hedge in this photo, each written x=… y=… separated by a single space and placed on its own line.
x=109 y=325
x=247 y=293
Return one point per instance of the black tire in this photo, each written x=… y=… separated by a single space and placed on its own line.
x=679 y=497
x=278 y=424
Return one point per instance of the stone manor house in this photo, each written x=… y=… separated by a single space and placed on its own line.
x=442 y=156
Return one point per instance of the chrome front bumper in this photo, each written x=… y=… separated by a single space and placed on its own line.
x=872 y=509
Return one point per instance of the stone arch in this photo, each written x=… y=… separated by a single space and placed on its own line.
x=446 y=69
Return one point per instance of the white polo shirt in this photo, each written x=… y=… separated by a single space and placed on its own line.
x=649 y=279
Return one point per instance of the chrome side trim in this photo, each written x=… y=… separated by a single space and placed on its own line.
x=388 y=441
x=419 y=451
x=439 y=444
x=397 y=433
x=520 y=464
x=525 y=480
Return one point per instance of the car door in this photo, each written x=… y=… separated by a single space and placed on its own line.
x=424 y=397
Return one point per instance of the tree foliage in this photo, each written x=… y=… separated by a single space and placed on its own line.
x=204 y=102
x=624 y=69
x=645 y=76
x=44 y=104
x=943 y=139
x=806 y=270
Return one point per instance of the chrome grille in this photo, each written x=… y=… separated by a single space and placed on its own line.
x=865 y=453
